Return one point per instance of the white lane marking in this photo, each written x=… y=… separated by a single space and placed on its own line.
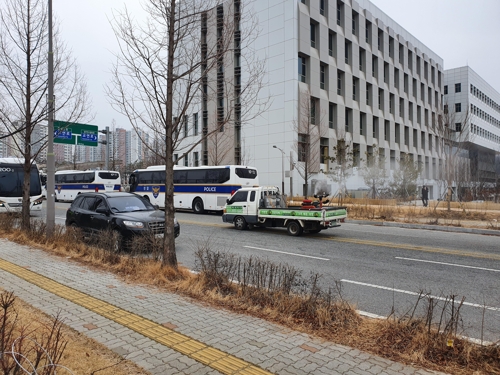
x=450 y=264
x=283 y=252
x=416 y=294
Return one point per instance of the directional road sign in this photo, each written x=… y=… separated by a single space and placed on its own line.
x=71 y=133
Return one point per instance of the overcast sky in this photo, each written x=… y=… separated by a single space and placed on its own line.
x=462 y=32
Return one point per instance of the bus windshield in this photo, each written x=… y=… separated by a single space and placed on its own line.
x=12 y=178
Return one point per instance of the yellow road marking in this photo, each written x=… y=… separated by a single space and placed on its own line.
x=427 y=249
x=211 y=357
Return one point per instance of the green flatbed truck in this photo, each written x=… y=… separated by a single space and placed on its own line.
x=265 y=207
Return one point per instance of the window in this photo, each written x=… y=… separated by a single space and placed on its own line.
x=368 y=32
x=410 y=111
x=340 y=13
x=239 y=196
x=313 y=110
x=368 y=94
x=186 y=161
x=332 y=115
x=433 y=73
x=186 y=126
x=303 y=143
x=355 y=88
x=340 y=82
x=355 y=18
x=348 y=119
x=387 y=128
x=322 y=76
x=313 y=35
x=374 y=66
x=196 y=161
x=401 y=107
x=391 y=47
x=422 y=140
x=458 y=87
x=332 y=44
x=401 y=54
x=407 y=136
x=176 y=158
x=446 y=89
x=323 y=150
x=426 y=70
x=322 y=7
x=410 y=61
x=414 y=87
x=397 y=133
x=362 y=123
x=458 y=127
x=380 y=99
x=391 y=103
x=418 y=65
x=405 y=83
x=348 y=51
x=195 y=124
x=375 y=127
x=458 y=107
x=362 y=57
x=396 y=78
x=386 y=72
x=302 y=68
x=380 y=40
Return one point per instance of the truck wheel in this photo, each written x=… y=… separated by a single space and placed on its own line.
x=294 y=228
x=240 y=223
x=198 y=206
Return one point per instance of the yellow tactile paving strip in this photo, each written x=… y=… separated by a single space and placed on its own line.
x=211 y=357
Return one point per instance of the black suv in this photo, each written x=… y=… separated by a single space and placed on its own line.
x=127 y=214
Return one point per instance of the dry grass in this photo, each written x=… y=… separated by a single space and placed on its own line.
x=81 y=355
x=280 y=293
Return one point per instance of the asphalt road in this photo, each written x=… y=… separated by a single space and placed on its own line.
x=381 y=268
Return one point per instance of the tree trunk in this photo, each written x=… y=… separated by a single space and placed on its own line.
x=169 y=255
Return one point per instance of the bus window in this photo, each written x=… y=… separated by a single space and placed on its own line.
x=246 y=173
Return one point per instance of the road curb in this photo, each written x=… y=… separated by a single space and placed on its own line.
x=443 y=228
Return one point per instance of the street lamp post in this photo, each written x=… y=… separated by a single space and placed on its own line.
x=282 y=169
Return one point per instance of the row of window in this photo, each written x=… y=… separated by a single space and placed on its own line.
x=195 y=161
x=332 y=45
x=185 y=125
x=483 y=115
x=432 y=97
x=484 y=98
x=485 y=133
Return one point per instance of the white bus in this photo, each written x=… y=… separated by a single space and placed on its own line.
x=195 y=188
x=11 y=186
x=68 y=184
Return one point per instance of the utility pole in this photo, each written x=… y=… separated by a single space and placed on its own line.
x=107 y=144
x=282 y=169
x=51 y=205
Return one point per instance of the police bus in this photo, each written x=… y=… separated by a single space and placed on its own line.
x=11 y=186
x=68 y=184
x=195 y=188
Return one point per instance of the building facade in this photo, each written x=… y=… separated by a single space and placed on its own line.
x=359 y=75
x=476 y=107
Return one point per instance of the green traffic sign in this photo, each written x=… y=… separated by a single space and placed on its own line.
x=71 y=133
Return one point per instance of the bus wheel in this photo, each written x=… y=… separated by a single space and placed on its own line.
x=198 y=206
x=294 y=228
x=240 y=223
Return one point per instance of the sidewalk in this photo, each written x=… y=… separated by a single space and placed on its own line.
x=168 y=334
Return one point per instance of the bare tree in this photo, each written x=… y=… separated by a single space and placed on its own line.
x=341 y=164
x=454 y=133
x=170 y=66
x=24 y=80
x=404 y=179
x=373 y=171
x=310 y=128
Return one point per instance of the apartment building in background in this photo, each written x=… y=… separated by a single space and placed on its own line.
x=475 y=105
x=362 y=76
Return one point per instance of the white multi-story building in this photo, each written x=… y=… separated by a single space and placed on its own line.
x=363 y=76
x=476 y=105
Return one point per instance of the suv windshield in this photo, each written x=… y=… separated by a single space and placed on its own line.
x=129 y=204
